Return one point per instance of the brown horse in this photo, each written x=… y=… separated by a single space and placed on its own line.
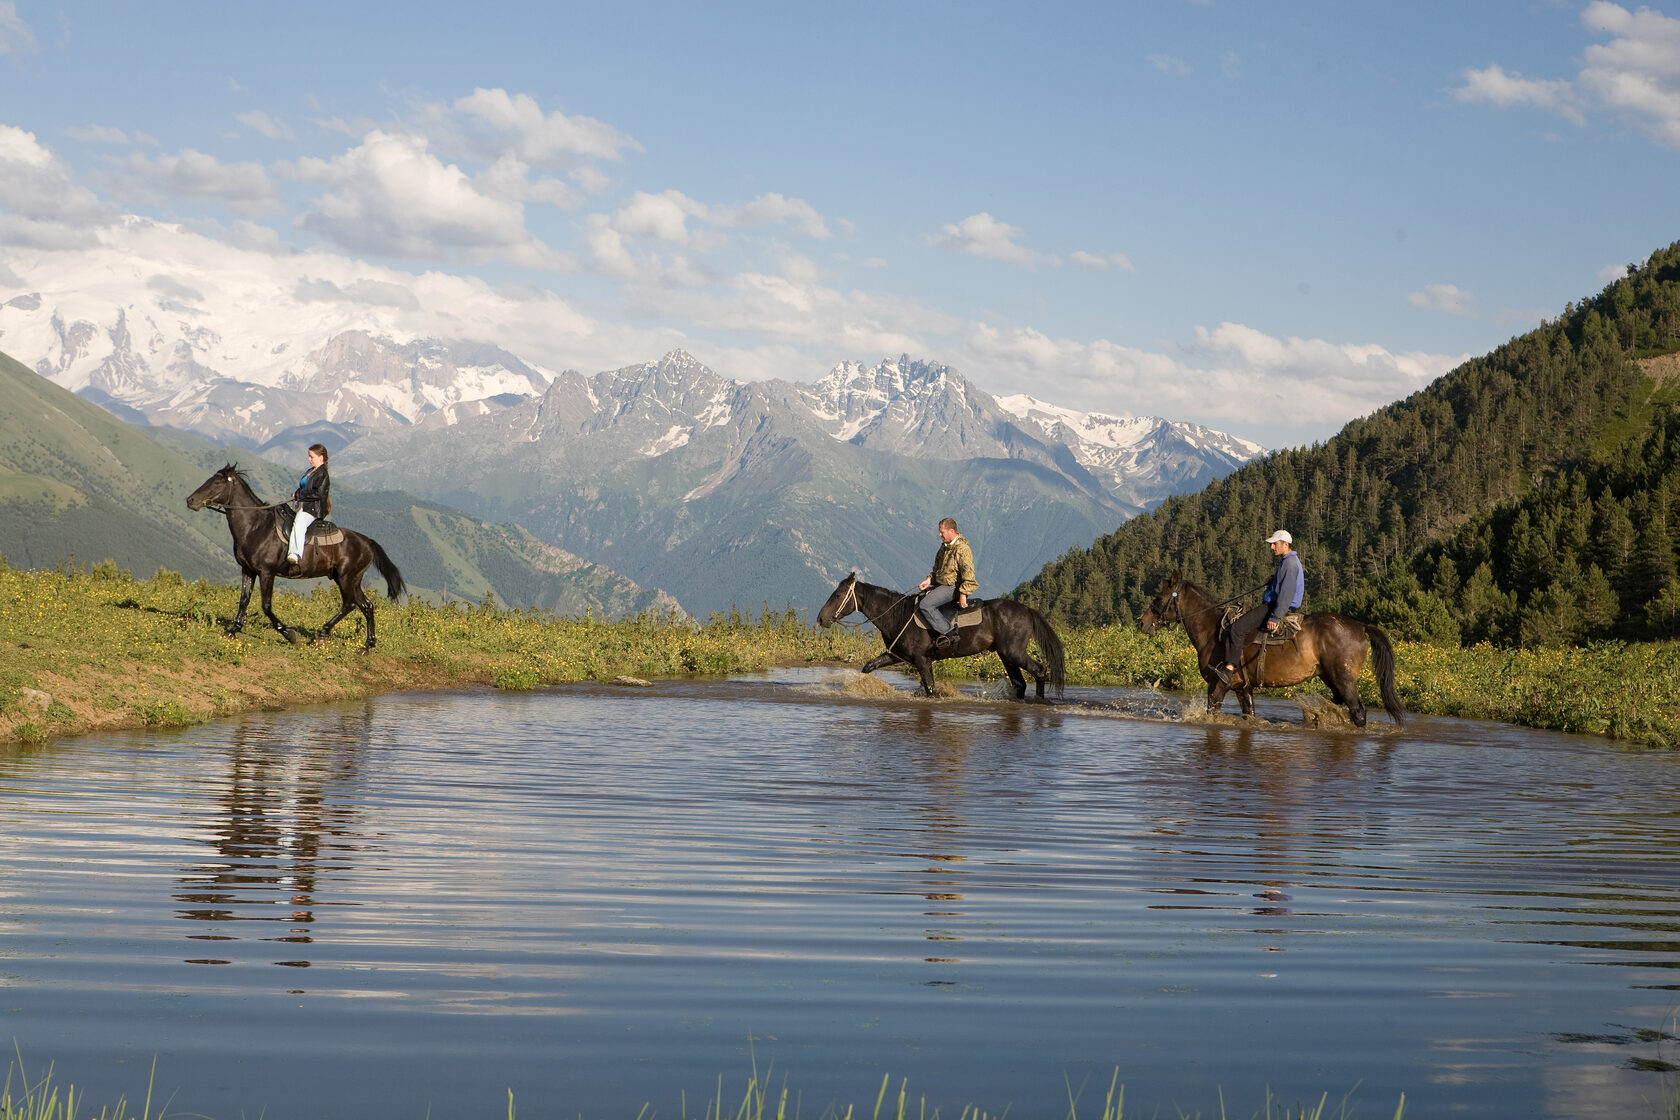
x=261 y=554
x=1329 y=646
x=1005 y=626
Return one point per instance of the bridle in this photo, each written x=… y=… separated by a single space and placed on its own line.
x=223 y=508
x=851 y=597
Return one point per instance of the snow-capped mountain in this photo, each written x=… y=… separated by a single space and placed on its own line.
x=1136 y=454
x=735 y=492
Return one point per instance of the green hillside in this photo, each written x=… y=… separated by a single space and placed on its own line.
x=78 y=486
x=1524 y=498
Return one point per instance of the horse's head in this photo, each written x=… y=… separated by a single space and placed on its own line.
x=1166 y=608
x=840 y=604
x=218 y=491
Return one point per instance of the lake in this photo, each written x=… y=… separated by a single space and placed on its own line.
x=598 y=897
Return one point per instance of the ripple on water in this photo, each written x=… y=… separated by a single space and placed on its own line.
x=597 y=895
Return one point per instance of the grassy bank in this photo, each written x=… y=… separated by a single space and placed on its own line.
x=762 y=1099
x=86 y=650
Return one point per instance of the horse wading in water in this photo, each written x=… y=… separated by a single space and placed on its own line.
x=1005 y=626
x=260 y=550
x=1331 y=647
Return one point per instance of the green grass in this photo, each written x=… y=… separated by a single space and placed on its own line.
x=97 y=648
x=762 y=1099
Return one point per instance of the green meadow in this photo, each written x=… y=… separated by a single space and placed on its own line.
x=88 y=649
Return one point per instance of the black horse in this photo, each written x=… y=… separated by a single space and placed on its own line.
x=1005 y=626
x=260 y=550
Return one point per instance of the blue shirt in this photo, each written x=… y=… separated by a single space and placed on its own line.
x=1289 y=585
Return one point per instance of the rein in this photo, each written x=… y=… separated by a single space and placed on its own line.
x=218 y=507
x=1213 y=606
x=841 y=612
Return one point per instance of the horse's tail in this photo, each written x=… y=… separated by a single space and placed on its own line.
x=1383 y=650
x=1055 y=658
x=394 y=584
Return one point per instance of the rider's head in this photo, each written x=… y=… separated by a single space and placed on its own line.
x=318 y=454
x=1280 y=541
x=948 y=528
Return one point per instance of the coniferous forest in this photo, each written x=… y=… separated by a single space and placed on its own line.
x=1530 y=497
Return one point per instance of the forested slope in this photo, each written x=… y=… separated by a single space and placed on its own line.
x=1525 y=497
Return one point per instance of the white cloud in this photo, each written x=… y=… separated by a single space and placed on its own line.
x=510 y=178
x=41 y=204
x=1101 y=263
x=1495 y=87
x=982 y=235
x=1639 y=70
x=1611 y=273
x=97 y=134
x=244 y=187
x=1167 y=64
x=368 y=293
x=1232 y=377
x=260 y=122
x=1637 y=73
x=15 y=35
x=662 y=216
x=543 y=138
x=774 y=209
x=390 y=196
x=1448 y=298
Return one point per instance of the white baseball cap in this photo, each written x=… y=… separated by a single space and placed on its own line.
x=1280 y=535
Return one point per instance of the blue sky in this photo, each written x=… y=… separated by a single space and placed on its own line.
x=1269 y=218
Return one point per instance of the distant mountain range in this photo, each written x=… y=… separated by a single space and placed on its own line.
x=78 y=486
x=725 y=492
x=718 y=491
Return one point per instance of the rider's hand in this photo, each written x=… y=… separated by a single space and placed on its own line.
x=1271 y=624
x=962 y=602
x=923 y=586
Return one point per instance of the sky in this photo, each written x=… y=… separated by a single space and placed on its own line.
x=1266 y=218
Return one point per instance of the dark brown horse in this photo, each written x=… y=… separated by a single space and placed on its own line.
x=1329 y=646
x=1005 y=626
x=261 y=554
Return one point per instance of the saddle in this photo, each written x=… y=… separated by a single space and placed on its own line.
x=1287 y=628
x=964 y=617
x=321 y=531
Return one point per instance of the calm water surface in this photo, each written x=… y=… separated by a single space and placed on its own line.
x=599 y=897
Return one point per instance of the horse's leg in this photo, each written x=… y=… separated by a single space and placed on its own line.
x=247 y=579
x=1216 y=695
x=1013 y=669
x=1245 y=700
x=879 y=661
x=924 y=666
x=1345 y=692
x=349 y=598
x=1040 y=675
x=266 y=582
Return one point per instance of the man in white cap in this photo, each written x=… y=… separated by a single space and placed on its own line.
x=1282 y=595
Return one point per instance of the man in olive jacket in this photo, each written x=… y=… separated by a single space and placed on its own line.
x=952 y=578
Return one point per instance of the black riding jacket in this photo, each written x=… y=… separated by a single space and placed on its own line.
x=312 y=492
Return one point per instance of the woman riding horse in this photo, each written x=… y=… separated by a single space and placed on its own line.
x=259 y=547
x=1329 y=646
x=1005 y=626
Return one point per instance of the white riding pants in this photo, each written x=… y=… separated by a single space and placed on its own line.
x=300 y=527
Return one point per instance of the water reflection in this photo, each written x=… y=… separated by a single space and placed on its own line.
x=283 y=818
x=591 y=895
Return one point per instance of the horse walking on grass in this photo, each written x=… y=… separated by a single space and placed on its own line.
x=1329 y=646
x=1005 y=626
x=259 y=547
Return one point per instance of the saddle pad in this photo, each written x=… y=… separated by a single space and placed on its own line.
x=970 y=615
x=320 y=532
